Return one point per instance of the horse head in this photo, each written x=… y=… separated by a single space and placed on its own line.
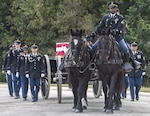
x=77 y=44
x=104 y=48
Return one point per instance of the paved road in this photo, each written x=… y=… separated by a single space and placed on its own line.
x=12 y=107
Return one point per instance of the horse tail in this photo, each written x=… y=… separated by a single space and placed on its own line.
x=120 y=83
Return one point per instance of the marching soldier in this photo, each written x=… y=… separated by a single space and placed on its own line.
x=126 y=82
x=9 y=76
x=135 y=76
x=113 y=23
x=21 y=71
x=12 y=66
x=35 y=69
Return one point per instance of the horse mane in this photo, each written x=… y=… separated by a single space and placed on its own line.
x=77 y=32
x=115 y=52
x=84 y=54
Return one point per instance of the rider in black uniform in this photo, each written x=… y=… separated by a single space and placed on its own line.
x=113 y=23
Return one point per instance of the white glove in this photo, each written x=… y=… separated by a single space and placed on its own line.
x=42 y=75
x=27 y=75
x=3 y=71
x=8 y=72
x=143 y=73
x=126 y=75
x=17 y=74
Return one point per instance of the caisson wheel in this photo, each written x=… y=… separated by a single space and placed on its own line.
x=97 y=86
x=46 y=81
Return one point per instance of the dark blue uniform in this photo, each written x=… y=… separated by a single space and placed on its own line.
x=135 y=76
x=112 y=24
x=126 y=80
x=21 y=69
x=35 y=67
x=9 y=77
x=12 y=65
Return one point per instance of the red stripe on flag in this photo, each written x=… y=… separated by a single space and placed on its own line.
x=61 y=48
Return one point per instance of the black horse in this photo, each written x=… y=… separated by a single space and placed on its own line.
x=76 y=63
x=109 y=63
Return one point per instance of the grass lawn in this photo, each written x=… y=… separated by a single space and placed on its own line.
x=145 y=89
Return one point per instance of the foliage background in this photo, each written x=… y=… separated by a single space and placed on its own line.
x=46 y=22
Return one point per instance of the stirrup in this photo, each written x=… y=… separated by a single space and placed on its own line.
x=128 y=67
x=137 y=64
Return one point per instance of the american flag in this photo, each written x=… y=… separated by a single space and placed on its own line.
x=61 y=48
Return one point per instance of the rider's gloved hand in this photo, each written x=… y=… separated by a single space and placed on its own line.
x=88 y=37
x=115 y=32
x=87 y=43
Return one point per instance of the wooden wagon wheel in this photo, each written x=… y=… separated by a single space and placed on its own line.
x=97 y=86
x=46 y=81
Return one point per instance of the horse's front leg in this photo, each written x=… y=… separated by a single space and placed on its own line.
x=104 y=84
x=84 y=100
x=117 y=101
x=83 y=85
x=75 y=94
x=111 y=93
x=105 y=97
x=75 y=83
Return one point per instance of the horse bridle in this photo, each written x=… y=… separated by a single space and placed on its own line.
x=74 y=50
x=80 y=56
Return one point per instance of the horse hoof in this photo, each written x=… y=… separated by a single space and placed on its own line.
x=120 y=105
x=104 y=110
x=78 y=111
x=117 y=108
x=109 y=111
x=84 y=107
x=73 y=109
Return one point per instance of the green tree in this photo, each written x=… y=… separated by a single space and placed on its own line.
x=139 y=25
x=49 y=21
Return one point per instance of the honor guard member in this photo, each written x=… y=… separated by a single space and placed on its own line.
x=21 y=71
x=135 y=76
x=12 y=66
x=126 y=82
x=35 y=69
x=113 y=23
x=9 y=76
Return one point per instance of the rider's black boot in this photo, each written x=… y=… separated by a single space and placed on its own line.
x=127 y=66
x=135 y=63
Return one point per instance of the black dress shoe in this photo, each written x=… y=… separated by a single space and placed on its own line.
x=73 y=108
x=123 y=97
x=137 y=98
x=78 y=111
x=24 y=99
x=33 y=100
x=17 y=97
x=11 y=96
